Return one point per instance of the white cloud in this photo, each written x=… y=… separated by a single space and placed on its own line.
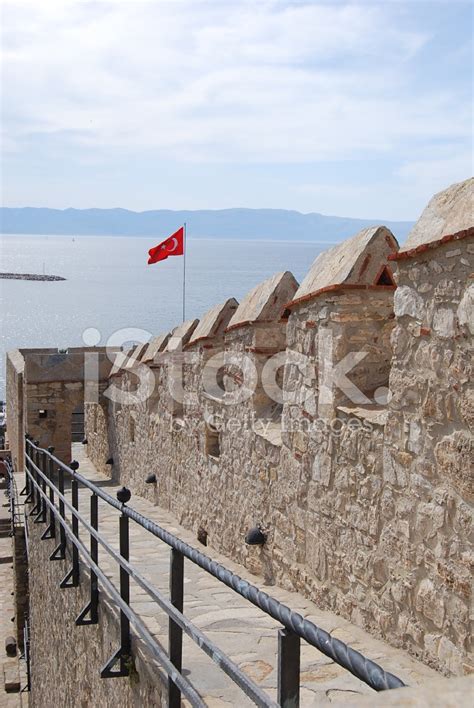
x=432 y=174
x=229 y=84
x=238 y=81
x=393 y=196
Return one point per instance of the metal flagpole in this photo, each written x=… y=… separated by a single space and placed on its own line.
x=184 y=273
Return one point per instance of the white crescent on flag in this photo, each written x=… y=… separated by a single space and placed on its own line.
x=175 y=245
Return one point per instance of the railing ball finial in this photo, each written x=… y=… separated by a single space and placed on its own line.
x=74 y=465
x=51 y=449
x=124 y=495
x=37 y=442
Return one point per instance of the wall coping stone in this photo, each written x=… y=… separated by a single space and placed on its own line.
x=265 y=301
x=448 y=212
x=357 y=261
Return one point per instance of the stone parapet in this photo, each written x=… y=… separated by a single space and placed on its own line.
x=359 y=474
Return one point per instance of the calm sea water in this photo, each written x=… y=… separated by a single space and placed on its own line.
x=110 y=287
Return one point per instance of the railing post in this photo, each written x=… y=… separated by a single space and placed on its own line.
x=59 y=552
x=45 y=471
x=31 y=494
x=122 y=655
x=26 y=489
x=175 y=633
x=37 y=479
x=50 y=531
x=90 y=614
x=26 y=655
x=42 y=506
x=35 y=460
x=288 y=669
x=124 y=582
x=35 y=498
x=75 y=530
x=71 y=579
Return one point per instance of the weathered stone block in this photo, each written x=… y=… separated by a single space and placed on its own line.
x=430 y=602
x=406 y=301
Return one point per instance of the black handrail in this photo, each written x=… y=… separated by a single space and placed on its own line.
x=12 y=494
x=198 y=637
x=295 y=625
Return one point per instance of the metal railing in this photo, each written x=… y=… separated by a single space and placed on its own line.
x=45 y=489
x=12 y=495
x=25 y=656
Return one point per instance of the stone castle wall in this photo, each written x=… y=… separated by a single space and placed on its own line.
x=360 y=475
x=44 y=388
x=430 y=449
x=79 y=652
x=366 y=504
x=14 y=406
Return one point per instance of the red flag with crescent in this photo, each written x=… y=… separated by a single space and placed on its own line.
x=172 y=246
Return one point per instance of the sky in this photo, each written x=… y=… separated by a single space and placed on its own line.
x=359 y=109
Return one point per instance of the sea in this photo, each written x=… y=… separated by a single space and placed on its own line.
x=111 y=296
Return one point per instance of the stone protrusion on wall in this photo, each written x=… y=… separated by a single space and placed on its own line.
x=447 y=215
x=180 y=336
x=138 y=352
x=154 y=347
x=250 y=414
x=204 y=364
x=264 y=302
x=213 y=324
x=172 y=379
x=255 y=334
x=342 y=314
x=359 y=262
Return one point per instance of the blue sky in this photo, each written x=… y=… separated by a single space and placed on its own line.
x=357 y=109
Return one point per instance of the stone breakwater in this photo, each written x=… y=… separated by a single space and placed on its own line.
x=30 y=276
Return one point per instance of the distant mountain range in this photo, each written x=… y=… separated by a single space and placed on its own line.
x=277 y=224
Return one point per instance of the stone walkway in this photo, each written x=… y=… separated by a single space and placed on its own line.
x=244 y=632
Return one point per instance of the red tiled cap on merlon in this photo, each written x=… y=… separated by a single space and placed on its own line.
x=123 y=361
x=358 y=262
x=214 y=322
x=181 y=335
x=447 y=217
x=156 y=345
x=138 y=352
x=141 y=353
x=265 y=302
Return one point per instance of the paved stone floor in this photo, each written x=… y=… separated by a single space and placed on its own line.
x=244 y=632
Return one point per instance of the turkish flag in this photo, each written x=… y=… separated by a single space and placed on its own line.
x=172 y=246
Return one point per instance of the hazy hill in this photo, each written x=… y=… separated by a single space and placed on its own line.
x=224 y=223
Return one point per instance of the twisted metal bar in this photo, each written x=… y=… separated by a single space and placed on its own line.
x=152 y=642
x=363 y=668
x=231 y=669
x=359 y=665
